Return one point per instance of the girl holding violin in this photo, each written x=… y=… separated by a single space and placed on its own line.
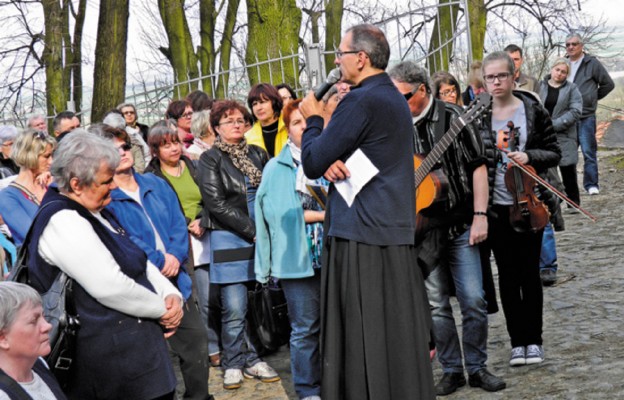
x=518 y=135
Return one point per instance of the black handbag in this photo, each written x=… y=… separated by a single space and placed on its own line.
x=58 y=309
x=267 y=313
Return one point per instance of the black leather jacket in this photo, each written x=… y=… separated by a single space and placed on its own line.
x=541 y=145
x=224 y=191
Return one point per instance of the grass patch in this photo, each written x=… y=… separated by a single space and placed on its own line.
x=616 y=161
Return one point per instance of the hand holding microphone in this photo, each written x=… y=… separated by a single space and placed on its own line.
x=311 y=104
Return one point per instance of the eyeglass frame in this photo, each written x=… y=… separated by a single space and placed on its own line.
x=493 y=77
x=340 y=53
x=572 y=44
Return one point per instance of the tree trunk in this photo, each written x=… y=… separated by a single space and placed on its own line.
x=273 y=31
x=56 y=86
x=76 y=64
x=109 y=75
x=206 y=52
x=439 y=50
x=333 y=29
x=180 y=53
x=226 y=47
x=478 y=20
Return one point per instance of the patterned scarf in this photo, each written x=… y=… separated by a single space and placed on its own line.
x=239 y=155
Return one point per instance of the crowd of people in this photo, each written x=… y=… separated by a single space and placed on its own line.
x=165 y=229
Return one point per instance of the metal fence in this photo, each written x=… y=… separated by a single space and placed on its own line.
x=409 y=34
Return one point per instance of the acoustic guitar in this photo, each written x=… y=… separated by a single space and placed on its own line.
x=432 y=187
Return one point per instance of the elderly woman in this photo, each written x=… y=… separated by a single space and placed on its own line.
x=446 y=88
x=202 y=131
x=230 y=173
x=289 y=233
x=32 y=151
x=8 y=133
x=148 y=208
x=269 y=131
x=123 y=300
x=181 y=112
x=23 y=340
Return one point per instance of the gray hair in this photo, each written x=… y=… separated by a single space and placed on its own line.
x=559 y=61
x=574 y=35
x=200 y=123
x=371 y=40
x=80 y=155
x=7 y=132
x=115 y=120
x=124 y=105
x=32 y=119
x=13 y=296
x=499 y=56
x=411 y=73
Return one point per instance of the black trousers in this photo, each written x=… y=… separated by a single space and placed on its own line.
x=190 y=345
x=570 y=183
x=517 y=257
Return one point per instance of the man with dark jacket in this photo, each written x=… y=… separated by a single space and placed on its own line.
x=594 y=82
x=523 y=81
x=456 y=225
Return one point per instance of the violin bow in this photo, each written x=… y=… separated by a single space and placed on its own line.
x=550 y=187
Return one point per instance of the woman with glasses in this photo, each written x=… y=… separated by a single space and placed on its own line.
x=446 y=88
x=181 y=112
x=269 y=131
x=148 y=208
x=19 y=202
x=132 y=120
x=125 y=305
x=516 y=250
x=230 y=173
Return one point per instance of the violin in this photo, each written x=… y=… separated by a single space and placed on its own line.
x=528 y=213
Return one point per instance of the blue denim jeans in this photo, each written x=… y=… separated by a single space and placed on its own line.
x=548 y=256
x=589 y=148
x=303 y=297
x=464 y=267
x=209 y=306
x=237 y=351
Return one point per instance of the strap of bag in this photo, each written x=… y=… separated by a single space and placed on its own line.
x=12 y=388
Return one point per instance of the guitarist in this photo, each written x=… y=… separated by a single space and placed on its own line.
x=456 y=224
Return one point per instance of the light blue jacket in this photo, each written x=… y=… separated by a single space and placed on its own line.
x=281 y=244
x=162 y=205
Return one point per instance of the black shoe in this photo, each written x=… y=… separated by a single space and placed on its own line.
x=548 y=276
x=450 y=382
x=486 y=381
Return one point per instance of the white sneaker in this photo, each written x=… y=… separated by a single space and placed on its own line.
x=534 y=354
x=232 y=379
x=261 y=371
x=593 y=190
x=312 y=398
x=518 y=356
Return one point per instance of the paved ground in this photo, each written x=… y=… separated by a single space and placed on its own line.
x=583 y=317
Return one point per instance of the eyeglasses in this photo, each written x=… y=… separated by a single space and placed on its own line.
x=128 y=113
x=187 y=115
x=39 y=135
x=340 y=53
x=502 y=77
x=572 y=44
x=447 y=93
x=124 y=147
x=233 y=123
x=410 y=94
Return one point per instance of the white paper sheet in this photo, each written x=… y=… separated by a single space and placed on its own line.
x=362 y=171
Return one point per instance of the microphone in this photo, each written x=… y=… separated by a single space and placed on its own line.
x=333 y=77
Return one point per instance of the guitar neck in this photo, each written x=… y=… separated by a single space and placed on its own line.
x=438 y=149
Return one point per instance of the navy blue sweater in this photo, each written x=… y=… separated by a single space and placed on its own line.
x=375 y=118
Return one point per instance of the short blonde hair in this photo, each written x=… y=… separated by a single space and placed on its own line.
x=29 y=145
x=560 y=61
